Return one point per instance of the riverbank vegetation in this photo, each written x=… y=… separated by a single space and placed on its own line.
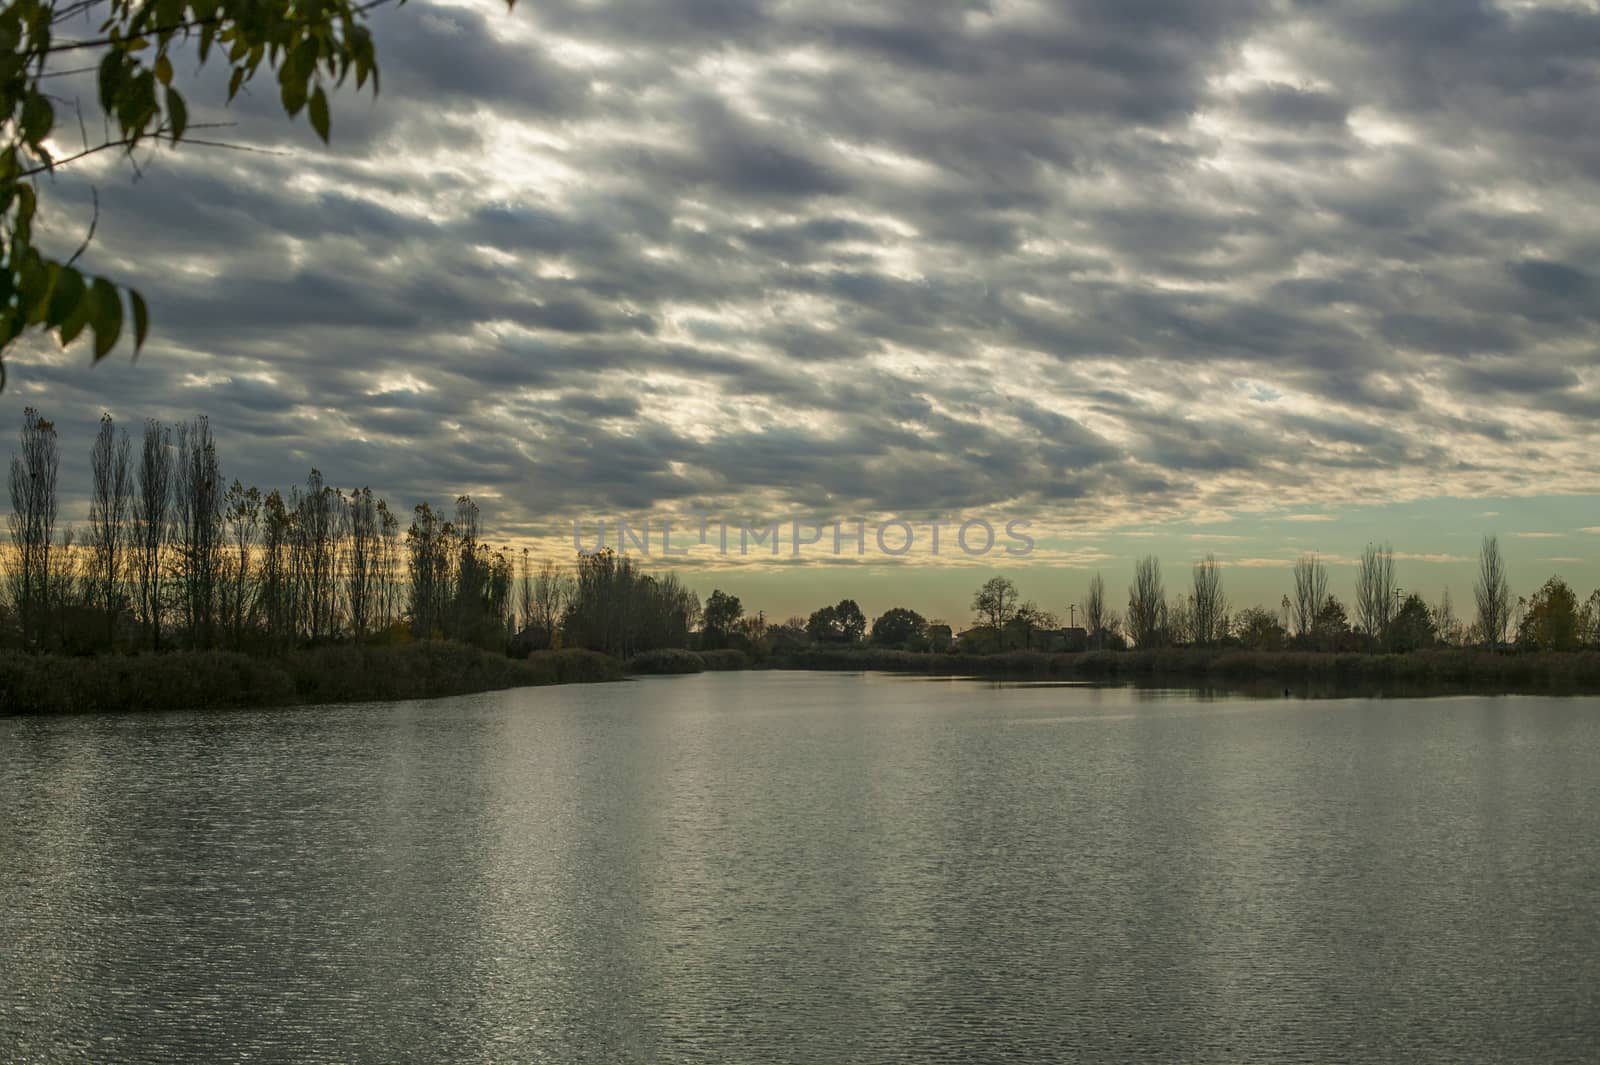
x=186 y=590
x=185 y=680
x=183 y=590
x=1439 y=670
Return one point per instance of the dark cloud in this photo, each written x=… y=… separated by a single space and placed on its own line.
x=919 y=256
x=1285 y=106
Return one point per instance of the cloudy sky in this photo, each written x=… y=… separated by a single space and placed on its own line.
x=1248 y=277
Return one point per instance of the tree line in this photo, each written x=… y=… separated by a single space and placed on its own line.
x=1380 y=618
x=173 y=556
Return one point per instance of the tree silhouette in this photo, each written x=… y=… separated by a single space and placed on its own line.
x=1492 y=593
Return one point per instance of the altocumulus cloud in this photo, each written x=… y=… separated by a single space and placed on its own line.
x=1096 y=259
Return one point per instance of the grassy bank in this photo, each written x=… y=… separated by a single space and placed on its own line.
x=186 y=680
x=1442 y=670
x=222 y=679
x=677 y=660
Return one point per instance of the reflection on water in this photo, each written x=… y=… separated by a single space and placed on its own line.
x=806 y=868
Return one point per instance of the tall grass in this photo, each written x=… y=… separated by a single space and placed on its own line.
x=666 y=660
x=725 y=658
x=427 y=669
x=186 y=680
x=1453 y=670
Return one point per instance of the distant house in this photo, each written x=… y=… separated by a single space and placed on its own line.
x=978 y=640
x=1056 y=640
x=981 y=639
x=1037 y=640
x=939 y=638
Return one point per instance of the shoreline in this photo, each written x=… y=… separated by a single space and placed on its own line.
x=1301 y=673
x=223 y=680
x=229 y=680
x=1446 y=671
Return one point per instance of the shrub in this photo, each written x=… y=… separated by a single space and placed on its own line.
x=572 y=665
x=188 y=680
x=1421 y=671
x=726 y=658
x=667 y=660
x=219 y=679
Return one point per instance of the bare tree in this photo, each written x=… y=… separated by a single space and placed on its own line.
x=197 y=505
x=1310 y=592
x=472 y=573
x=276 y=578
x=995 y=604
x=1147 y=603
x=429 y=553
x=338 y=534
x=1210 y=610
x=388 y=564
x=152 y=525
x=1375 y=591
x=1095 y=612
x=1029 y=619
x=71 y=582
x=362 y=559
x=1179 y=626
x=110 y=505
x=33 y=522
x=1445 y=622
x=1493 y=593
x=242 y=511
x=552 y=588
x=314 y=545
x=525 y=590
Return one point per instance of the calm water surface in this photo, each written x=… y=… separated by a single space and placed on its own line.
x=806 y=868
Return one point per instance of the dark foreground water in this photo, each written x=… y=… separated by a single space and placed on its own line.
x=806 y=868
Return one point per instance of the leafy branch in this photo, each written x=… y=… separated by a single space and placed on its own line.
x=312 y=46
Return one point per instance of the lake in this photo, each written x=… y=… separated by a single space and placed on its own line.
x=806 y=867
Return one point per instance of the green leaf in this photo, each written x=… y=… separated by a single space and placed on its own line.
x=110 y=80
x=141 y=319
x=304 y=58
x=234 y=83
x=38 y=118
x=22 y=224
x=74 y=323
x=319 y=113
x=293 y=92
x=105 y=317
x=33 y=287
x=38 y=280
x=177 y=113
x=164 y=69
x=69 y=292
